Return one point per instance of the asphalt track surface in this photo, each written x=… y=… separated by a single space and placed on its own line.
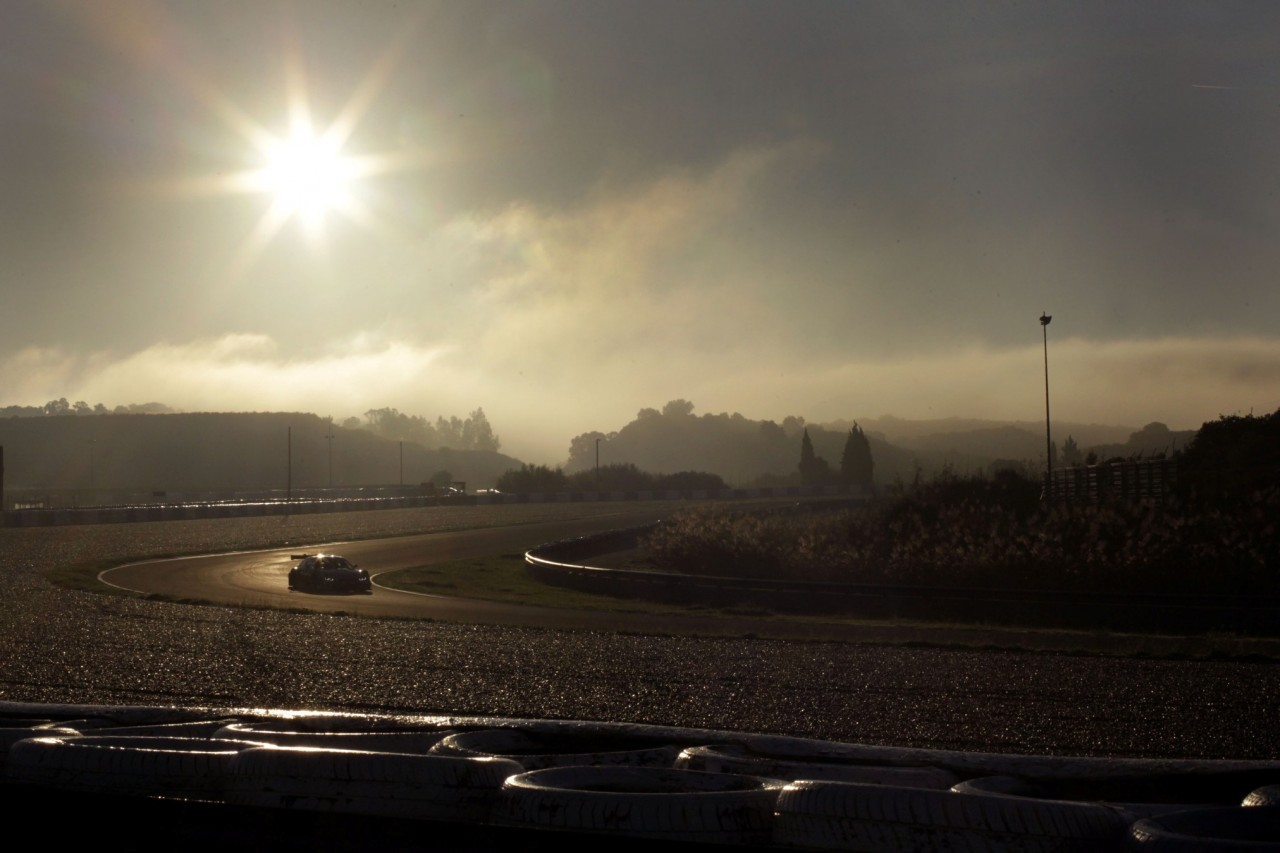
x=260 y=579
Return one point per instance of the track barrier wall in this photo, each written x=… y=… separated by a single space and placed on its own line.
x=565 y=564
x=189 y=511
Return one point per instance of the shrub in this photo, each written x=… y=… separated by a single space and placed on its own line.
x=990 y=533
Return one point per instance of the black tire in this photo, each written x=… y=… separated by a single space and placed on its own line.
x=1224 y=830
x=538 y=750
x=846 y=815
x=735 y=758
x=423 y=787
x=643 y=802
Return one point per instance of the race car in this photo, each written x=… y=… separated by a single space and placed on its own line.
x=328 y=573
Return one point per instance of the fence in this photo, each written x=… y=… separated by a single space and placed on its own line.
x=1149 y=479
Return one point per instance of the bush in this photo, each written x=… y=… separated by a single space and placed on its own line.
x=990 y=533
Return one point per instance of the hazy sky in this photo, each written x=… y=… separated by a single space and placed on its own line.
x=563 y=212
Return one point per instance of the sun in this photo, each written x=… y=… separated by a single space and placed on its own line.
x=307 y=174
x=311 y=171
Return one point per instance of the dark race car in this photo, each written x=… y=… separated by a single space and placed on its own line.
x=328 y=573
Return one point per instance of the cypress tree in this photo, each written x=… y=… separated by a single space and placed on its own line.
x=813 y=471
x=855 y=463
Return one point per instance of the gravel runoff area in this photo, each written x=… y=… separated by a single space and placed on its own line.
x=65 y=646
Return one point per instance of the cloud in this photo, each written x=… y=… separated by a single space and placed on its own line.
x=232 y=373
x=561 y=320
x=628 y=271
x=1180 y=381
x=36 y=373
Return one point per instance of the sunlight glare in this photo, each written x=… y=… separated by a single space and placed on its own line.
x=307 y=174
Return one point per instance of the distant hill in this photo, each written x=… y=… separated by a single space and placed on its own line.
x=968 y=444
x=1152 y=440
x=199 y=452
x=984 y=435
x=745 y=451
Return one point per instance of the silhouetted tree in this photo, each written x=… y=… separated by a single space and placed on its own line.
x=619 y=477
x=582 y=449
x=814 y=471
x=677 y=407
x=477 y=434
x=1231 y=458
x=533 y=479
x=1070 y=452
x=690 y=481
x=855 y=463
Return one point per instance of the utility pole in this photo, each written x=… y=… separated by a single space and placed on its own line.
x=288 y=489
x=1048 y=441
x=402 y=463
x=597 y=464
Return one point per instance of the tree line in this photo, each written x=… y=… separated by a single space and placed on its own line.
x=473 y=433
x=60 y=408
x=856 y=466
x=625 y=477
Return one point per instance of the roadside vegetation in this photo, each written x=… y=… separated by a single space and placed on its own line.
x=530 y=479
x=1219 y=534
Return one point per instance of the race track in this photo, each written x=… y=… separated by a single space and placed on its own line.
x=66 y=645
x=260 y=578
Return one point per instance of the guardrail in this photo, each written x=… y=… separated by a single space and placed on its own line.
x=250 y=509
x=1126 y=611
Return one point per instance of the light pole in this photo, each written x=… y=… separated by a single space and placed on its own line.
x=597 y=464
x=1048 y=441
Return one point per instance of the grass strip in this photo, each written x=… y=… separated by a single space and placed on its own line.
x=503 y=578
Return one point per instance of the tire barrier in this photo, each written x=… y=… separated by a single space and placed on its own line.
x=1268 y=795
x=686 y=806
x=414 y=742
x=539 y=750
x=239 y=774
x=1224 y=830
x=736 y=758
x=137 y=766
x=1138 y=797
x=849 y=815
x=17 y=730
x=424 y=787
